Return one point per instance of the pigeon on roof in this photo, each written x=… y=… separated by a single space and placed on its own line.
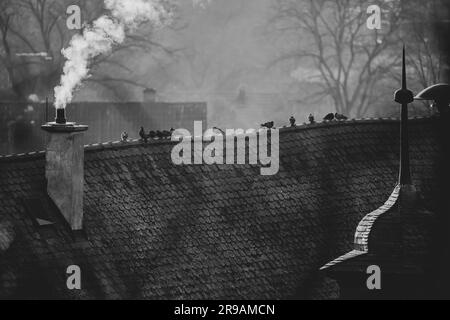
x=292 y=121
x=166 y=134
x=329 y=117
x=339 y=116
x=268 y=125
x=143 y=135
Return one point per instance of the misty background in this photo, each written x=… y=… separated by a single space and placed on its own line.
x=252 y=61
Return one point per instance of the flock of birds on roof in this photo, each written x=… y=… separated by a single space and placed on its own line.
x=160 y=135
x=329 y=117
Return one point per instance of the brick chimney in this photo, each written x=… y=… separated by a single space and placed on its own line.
x=64 y=168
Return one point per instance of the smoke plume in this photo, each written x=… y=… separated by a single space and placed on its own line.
x=100 y=37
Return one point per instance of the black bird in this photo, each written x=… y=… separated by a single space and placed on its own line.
x=142 y=134
x=311 y=119
x=166 y=134
x=329 y=117
x=268 y=125
x=159 y=134
x=152 y=135
x=292 y=121
x=340 y=116
x=124 y=136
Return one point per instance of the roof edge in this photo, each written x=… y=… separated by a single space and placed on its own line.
x=283 y=130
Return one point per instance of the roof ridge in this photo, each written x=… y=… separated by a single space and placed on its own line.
x=286 y=129
x=26 y=155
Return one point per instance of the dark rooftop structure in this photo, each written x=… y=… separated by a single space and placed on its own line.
x=153 y=230
x=399 y=237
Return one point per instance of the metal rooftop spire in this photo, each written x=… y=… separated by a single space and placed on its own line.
x=404 y=97
x=404 y=70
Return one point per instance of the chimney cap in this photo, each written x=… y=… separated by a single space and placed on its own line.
x=68 y=127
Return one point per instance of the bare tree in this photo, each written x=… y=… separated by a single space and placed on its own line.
x=201 y=61
x=33 y=32
x=424 y=57
x=332 y=37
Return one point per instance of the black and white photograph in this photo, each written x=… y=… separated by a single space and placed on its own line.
x=225 y=156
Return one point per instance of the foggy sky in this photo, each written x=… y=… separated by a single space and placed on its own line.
x=224 y=51
x=222 y=48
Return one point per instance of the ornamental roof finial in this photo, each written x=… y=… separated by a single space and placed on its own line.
x=404 y=97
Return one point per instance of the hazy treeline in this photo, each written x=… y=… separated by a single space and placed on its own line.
x=251 y=60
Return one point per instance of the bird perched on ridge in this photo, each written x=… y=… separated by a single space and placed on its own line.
x=292 y=121
x=171 y=132
x=124 y=136
x=311 y=119
x=329 y=117
x=143 y=135
x=166 y=134
x=338 y=116
x=152 y=134
x=268 y=125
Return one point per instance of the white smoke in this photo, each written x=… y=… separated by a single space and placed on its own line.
x=100 y=37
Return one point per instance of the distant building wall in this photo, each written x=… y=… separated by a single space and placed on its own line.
x=20 y=122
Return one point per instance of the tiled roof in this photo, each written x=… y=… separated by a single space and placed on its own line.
x=157 y=231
